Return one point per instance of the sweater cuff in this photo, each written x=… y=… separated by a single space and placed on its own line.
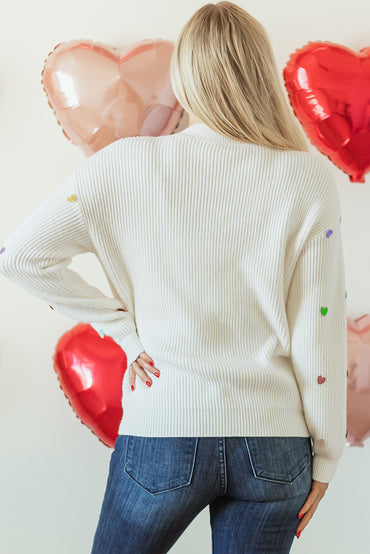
x=323 y=469
x=132 y=347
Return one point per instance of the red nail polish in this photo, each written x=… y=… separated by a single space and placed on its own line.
x=299 y=534
x=132 y=387
x=151 y=363
x=300 y=515
x=148 y=383
x=156 y=374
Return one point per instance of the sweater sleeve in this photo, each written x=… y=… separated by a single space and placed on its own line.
x=316 y=311
x=36 y=257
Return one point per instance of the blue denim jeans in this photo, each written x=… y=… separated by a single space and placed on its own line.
x=254 y=486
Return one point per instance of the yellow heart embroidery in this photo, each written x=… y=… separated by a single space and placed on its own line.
x=72 y=198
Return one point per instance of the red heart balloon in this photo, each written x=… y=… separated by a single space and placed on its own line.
x=100 y=94
x=329 y=90
x=90 y=370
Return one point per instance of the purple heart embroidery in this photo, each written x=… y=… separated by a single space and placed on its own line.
x=2 y=250
x=330 y=232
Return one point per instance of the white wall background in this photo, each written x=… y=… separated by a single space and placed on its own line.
x=53 y=468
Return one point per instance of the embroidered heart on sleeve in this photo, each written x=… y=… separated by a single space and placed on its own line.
x=321 y=379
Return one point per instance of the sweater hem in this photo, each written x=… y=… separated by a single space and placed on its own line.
x=212 y=422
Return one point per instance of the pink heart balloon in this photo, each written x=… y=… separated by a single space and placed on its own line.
x=100 y=94
x=358 y=384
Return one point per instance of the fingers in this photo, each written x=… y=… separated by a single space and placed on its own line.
x=142 y=362
x=147 y=365
x=145 y=356
x=137 y=370
x=309 y=508
x=307 y=516
x=317 y=490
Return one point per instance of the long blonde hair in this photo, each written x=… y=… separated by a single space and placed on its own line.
x=223 y=71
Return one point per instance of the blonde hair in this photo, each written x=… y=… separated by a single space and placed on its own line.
x=223 y=71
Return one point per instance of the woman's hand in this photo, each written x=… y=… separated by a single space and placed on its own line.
x=143 y=361
x=318 y=490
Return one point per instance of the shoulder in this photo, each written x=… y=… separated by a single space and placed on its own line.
x=112 y=151
x=312 y=167
x=323 y=187
x=321 y=196
x=312 y=176
x=311 y=192
x=108 y=163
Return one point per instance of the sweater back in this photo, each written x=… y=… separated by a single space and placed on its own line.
x=225 y=263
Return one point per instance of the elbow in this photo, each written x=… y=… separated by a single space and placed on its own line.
x=11 y=265
x=6 y=263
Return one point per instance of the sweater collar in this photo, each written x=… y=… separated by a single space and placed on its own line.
x=201 y=130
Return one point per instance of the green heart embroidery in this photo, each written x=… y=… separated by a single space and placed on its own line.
x=324 y=311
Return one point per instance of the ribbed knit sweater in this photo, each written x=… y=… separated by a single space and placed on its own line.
x=225 y=263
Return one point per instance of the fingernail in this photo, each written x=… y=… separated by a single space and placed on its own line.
x=132 y=387
x=300 y=515
x=148 y=383
x=151 y=363
x=299 y=534
x=156 y=374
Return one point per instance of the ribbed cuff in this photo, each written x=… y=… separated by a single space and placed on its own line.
x=132 y=347
x=323 y=469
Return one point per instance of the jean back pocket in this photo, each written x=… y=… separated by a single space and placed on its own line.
x=279 y=459
x=160 y=464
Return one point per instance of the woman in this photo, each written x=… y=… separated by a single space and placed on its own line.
x=222 y=246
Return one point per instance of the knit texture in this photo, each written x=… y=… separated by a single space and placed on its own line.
x=225 y=263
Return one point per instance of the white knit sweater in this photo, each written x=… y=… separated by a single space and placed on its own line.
x=227 y=259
